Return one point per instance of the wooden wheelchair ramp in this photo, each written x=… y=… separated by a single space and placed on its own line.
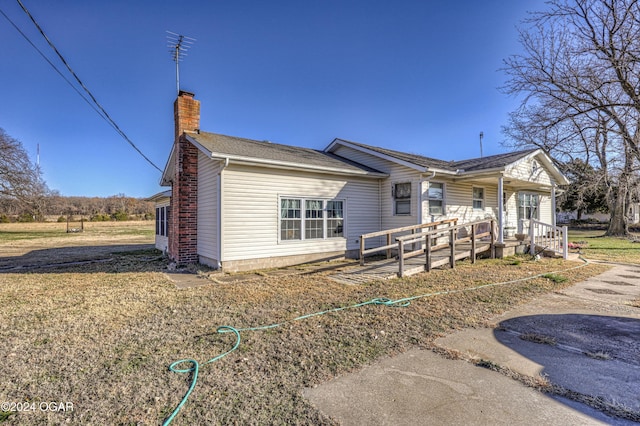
x=421 y=248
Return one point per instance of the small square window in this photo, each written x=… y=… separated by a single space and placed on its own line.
x=402 y=198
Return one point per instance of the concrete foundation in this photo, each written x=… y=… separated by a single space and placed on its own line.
x=280 y=261
x=509 y=248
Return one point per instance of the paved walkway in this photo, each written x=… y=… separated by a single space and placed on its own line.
x=585 y=339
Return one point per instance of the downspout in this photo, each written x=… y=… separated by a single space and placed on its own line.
x=219 y=207
x=423 y=180
x=500 y=208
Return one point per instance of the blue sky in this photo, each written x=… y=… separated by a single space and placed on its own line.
x=416 y=76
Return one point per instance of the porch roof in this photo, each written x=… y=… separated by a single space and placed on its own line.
x=481 y=168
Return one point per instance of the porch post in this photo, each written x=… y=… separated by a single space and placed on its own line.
x=500 y=212
x=553 y=205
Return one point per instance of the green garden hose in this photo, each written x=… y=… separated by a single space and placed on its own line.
x=403 y=302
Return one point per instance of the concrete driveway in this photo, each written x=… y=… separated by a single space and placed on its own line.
x=585 y=340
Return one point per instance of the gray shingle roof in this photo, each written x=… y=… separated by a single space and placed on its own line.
x=473 y=164
x=223 y=145
x=491 y=161
x=418 y=160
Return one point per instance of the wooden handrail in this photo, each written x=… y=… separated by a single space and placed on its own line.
x=408 y=228
x=452 y=232
x=389 y=232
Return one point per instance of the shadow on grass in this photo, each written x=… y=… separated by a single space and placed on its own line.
x=78 y=259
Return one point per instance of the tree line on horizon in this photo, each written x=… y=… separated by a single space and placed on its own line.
x=54 y=206
x=25 y=197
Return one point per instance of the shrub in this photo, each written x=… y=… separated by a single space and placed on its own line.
x=62 y=219
x=4 y=218
x=120 y=216
x=26 y=217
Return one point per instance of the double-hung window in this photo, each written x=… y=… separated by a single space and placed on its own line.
x=335 y=219
x=402 y=198
x=310 y=218
x=314 y=219
x=290 y=219
x=435 y=197
x=528 y=206
x=478 y=198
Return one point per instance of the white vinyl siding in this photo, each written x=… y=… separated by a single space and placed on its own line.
x=252 y=227
x=529 y=169
x=458 y=202
x=208 y=208
x=397 y=174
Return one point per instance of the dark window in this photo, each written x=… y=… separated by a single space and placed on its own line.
x=402 y=198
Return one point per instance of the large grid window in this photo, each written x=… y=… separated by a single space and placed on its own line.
x=290 y=219
x=402 y=198
x=322 y=219
x=478 y=198
x=528 y=206
x=435 y=197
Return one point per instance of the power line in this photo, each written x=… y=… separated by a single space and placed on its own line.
x=103 y=113
x=50 y=63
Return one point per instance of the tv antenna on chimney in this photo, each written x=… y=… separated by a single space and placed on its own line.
x=178 y=45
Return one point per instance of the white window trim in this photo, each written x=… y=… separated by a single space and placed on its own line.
x=325 y=237
x=443 y=199
x=473 y=199
x=162 y=221
x=395 y=200
x=537 y=210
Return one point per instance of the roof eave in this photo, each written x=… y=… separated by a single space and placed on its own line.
x=348 y=144
x=167 y=173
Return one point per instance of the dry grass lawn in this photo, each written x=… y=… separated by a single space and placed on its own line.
x=101 y=335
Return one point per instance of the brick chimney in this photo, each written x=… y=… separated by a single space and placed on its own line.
x=184 y=192
x=186 y=113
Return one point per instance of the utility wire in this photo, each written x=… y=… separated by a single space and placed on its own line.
x=50 y=63
x=103 y=113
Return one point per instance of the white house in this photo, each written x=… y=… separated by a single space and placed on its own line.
x=243 y=204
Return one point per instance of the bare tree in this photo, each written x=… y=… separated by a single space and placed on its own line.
x=580 y=76
x=20 y=179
